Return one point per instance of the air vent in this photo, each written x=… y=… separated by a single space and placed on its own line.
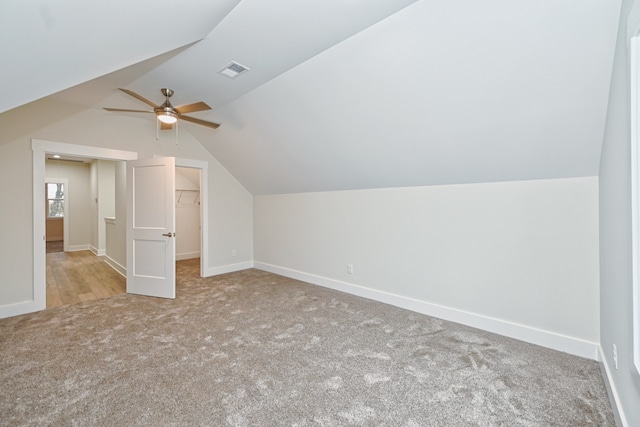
x=233 y=70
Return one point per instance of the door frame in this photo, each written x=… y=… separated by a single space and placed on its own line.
x=39 y=150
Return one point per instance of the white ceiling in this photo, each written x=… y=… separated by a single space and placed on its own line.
x=342 y=94
x=48 y=46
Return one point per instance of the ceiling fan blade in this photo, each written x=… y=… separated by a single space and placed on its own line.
x=190 y=108
x=127 y=111
x=165 y=126
x=140 y=97
x=200 y=122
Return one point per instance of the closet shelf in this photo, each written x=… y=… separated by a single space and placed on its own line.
x=187 y=197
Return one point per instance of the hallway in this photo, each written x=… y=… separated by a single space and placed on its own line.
x=74 y=277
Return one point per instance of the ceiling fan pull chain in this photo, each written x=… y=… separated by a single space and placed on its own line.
x=177 y=131
x=157 y=129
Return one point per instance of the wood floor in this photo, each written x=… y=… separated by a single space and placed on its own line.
x=74 y=277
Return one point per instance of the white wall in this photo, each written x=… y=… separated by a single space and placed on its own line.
x=106 y=200
x=230 y=205
x=116 y=242
x=523 y=253
x=78 y=199
x=615 y=233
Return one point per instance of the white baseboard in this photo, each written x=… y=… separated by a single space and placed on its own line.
x=96 y=251
x=187 y=255
x=19 y=308
x=567 y=344
x=614 y=397
x=76 y=248
x=115 y=265
x=230 y=268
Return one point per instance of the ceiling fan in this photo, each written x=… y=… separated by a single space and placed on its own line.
x=166 y=113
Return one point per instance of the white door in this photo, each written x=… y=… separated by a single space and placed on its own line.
x=151 y=249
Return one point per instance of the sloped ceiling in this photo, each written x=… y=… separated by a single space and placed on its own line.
x=358 y=94
x=50 y=46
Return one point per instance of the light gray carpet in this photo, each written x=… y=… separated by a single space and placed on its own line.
x=255 y=349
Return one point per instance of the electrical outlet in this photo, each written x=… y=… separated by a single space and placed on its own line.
x=350 y=269
x=234 y=252
x=615 y=356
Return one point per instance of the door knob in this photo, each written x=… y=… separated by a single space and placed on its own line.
x=169 y=234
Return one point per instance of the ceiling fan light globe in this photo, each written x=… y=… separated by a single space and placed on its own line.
x=167 y=118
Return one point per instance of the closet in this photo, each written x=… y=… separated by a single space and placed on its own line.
x=187 y=213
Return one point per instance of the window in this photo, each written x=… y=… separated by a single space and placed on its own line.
x=55 y=199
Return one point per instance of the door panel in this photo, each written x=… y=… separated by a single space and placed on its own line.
x=151 y=267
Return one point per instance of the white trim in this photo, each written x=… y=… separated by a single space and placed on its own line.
x=115 y=265
x=40 y=148
x=39 y=284
x=18 y=308
x=633 y=22
x=614 y=397
x=187 y=255
x=634 y=62
x=567 y=344
x=230 y=268
x=82 y=150
x=78 y=248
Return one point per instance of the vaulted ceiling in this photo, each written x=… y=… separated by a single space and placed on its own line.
x=341 y=94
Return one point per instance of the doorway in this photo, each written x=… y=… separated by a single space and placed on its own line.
x=81 y=196
x=188 y=220
x=40 y=149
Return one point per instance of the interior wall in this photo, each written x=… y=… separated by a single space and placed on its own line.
x=16 y=270
x=116 y=242
x=615 y=232
x=106 y=200
x=230 y=204
x=522 y=252
x=78 y=197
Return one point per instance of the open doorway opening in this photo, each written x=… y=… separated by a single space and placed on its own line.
x=81 y=200
x=188 y=219
x=40 y=150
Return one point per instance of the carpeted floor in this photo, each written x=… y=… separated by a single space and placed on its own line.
x=255 y=349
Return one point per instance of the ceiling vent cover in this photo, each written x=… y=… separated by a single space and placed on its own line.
x=233 y=70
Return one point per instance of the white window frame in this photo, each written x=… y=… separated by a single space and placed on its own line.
x=65 y=206
x=63 y=199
